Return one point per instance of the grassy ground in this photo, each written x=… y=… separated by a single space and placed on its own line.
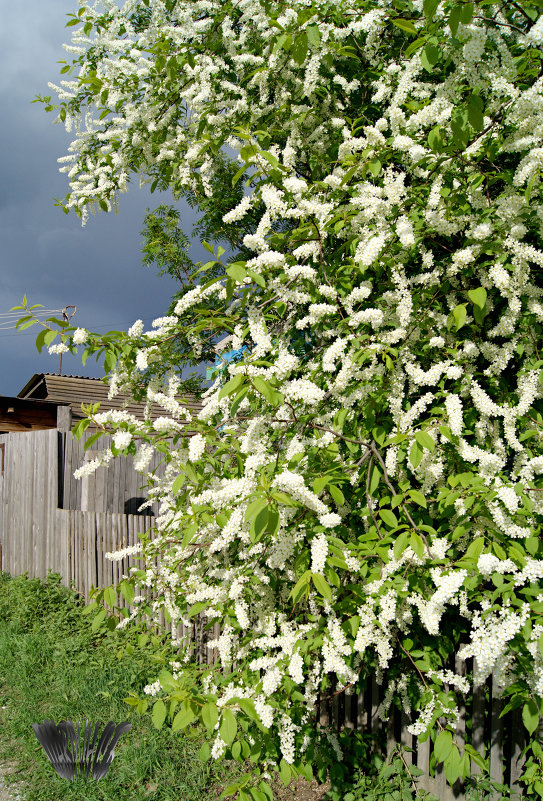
x=51 y=666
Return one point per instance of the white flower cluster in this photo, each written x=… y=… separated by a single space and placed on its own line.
x=122 y=439
x=136 y=329
x=490 y=637
x=304 y=390
x=488 y=563
x=80 y=336
x=319 y=552
x=294 y=485
x=58 y=349
x=431 y=610
x=197 y=446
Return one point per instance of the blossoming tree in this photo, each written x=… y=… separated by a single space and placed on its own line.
x=363 y=491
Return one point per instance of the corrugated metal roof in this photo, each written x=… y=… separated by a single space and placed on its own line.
x=76 y=390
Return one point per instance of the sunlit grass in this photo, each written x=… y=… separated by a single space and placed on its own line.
x=52 y=666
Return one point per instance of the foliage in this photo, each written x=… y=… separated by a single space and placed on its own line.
x=368 y=502
x=31 y=603
x=391 y=779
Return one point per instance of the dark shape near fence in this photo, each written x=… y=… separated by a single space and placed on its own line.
x=78 y=752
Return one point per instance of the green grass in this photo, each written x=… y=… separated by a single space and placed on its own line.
x=52 y=666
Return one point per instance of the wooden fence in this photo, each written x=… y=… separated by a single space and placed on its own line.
x=37 y=535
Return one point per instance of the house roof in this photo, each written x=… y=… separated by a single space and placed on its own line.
x=75 y=390
x=18 y=414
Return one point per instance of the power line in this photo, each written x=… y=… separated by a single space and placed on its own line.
x=17 y=312
x=9 y=319
x=102 y=325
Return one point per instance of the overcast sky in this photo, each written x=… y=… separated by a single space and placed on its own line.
x=45 y=253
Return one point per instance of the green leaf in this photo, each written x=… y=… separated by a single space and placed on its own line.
x=417 y=544
x=336 y=494
x=257 y=278
x=255 y=507
x=459 y=123
x=184 y=717
x=127 y=591
x=436 y=139
x=263 y=386
x=375 y=166
x=375 y=478
x=429 y=7
x=91 y=440
x=49 y=337
x=283 y=498
x=313 y=35
x=430 y=57
x=210 y=715
x=447 y=433
x=475 y=112
x=158 y=715
x=299 y=48
x=237 y=272
x=204 y=755
x=228 y=727
x=166 y=680
x=319 y=484
x=418 y=497
x=25 y=323
x=131 y=701
x=425 y=440
x=322 y=586
x=98 y=620
x=405 y=25
x=457 y=317
x=478 y=297
x=532 y=545
x=300 y=587
x=443 y=745
x=466 y=13
x=110 y=596
x=475 y=548
x=270 y=158
x=178 y=483
x=272 y=395
x=452 y=765
x=285 y=772
x=237 y=400
x=239 y=174
x=459 y=313
x=261 y=521
x=249 y=708
x=416 y=454
x=232 y=386
x=40 y=339
x=388 y=517
x=267 y=790
x=401 y=544
x=530 y=715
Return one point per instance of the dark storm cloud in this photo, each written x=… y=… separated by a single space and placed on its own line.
x=43 y=253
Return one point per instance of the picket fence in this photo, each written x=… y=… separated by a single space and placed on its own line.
x=37 y=535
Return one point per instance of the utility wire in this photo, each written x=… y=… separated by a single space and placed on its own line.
x=9 y=319
x=17 y=313
x=102 y=325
